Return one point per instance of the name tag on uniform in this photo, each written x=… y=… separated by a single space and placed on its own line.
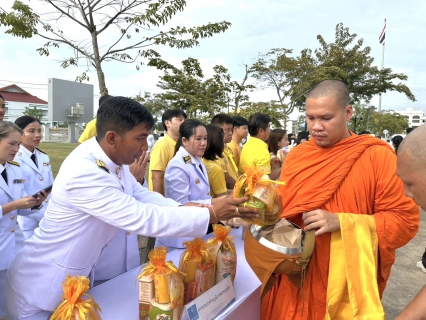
x=46 y=163
x=19 y=181
x=197 y=180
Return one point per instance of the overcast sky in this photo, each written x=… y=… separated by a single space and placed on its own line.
x=257 y=26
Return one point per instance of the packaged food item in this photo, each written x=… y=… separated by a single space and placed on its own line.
x=76 y=303
x=221 y=250
x=256 y=185
x=161 y=311
x=194 y=256
x=160 y=286
x=205 y=277
x=191 y=291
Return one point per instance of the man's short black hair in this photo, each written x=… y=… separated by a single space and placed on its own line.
x=221 y=119
x=215 y=144
x=103 y=98
x=239 y=121
x=121 y=114
x=171 y=113
x=258 y=121
x=409 y=130
x=331 y=87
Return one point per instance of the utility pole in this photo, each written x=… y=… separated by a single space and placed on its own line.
x=382 y=41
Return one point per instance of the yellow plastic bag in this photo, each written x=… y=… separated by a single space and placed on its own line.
x=262 y=195
x=76 y=303
x=222 y=251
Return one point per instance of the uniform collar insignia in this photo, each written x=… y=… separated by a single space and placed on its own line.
x=118 y=172
x=187 y=159
x=197 y=180
x=102 y=165
x=14 y=163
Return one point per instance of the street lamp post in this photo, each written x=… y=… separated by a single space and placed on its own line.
x=355 y=118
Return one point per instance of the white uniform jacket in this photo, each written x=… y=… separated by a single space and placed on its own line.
x=185 y=181
x=36 y=178
x=11 y=237
x=88 y=206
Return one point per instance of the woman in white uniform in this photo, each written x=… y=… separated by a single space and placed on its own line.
x=186 y=178
x=13 y=201
x=35 y=168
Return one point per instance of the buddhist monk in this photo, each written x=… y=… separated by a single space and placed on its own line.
x=343 y=186
x=412 y=171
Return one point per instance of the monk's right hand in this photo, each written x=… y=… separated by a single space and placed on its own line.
x=228 y=209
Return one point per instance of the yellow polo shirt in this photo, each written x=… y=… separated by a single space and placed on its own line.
x=216 y=177
x=255 y=151
x=236 y=151
x=162 y=152
x=231 y=166
x=89 y=131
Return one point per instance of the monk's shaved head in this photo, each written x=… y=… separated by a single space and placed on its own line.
x=334 y=88
x=411 y=168
x=415 y=146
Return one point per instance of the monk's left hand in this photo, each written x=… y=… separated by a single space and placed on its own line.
x=322 y=221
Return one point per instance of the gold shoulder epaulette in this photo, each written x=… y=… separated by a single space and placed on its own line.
x=187 y=159
x=102 y=165
x=14 y=163
x=41 y=151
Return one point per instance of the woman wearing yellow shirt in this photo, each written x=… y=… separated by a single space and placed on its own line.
x=213 y=153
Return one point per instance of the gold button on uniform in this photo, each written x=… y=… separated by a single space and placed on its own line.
x=12 y=217
x=12 y=230
x=41 y=178
x=128 y=232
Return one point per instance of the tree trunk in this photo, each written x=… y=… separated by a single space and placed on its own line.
x=97 y=63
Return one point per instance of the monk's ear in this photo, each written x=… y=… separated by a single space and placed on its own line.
x=349 y=111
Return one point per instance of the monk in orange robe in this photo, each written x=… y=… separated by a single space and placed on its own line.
x=338 y=174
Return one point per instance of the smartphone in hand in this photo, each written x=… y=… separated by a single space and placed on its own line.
x=47 y=189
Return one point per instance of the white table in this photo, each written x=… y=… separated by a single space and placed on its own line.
x=118 y=297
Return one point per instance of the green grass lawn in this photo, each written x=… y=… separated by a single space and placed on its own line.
x=57 y=153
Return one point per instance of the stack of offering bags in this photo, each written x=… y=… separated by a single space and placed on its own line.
x=76 y=303
x=222 y=251
x=197 y=268
x=161 y=289
x=256 y=185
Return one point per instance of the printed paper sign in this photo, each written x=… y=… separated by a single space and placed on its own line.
x=211 y=303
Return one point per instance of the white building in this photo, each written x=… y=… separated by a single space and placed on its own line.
x=415 y=118
x=17 y=99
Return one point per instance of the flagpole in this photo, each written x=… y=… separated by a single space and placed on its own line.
x=383 y=64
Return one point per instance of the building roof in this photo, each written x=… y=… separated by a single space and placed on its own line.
x=17 y=94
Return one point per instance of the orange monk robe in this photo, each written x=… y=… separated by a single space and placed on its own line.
x=355 y=176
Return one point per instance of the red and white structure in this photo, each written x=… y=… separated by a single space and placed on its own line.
x=17 y=99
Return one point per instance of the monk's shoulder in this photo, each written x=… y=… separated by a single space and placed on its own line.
x=380 y=157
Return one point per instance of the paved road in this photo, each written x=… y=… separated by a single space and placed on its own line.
x=406 y=279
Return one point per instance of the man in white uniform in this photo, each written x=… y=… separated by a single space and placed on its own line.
x=94 y=196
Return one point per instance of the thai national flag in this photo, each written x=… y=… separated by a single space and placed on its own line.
x=382 y=35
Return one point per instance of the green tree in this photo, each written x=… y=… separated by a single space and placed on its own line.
x=388 y=120
x=116 y=30
x=347 y=60
x=274 y=70
x=201 y=98
x=271 y=108
x=33 y=112
x=153 y=103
